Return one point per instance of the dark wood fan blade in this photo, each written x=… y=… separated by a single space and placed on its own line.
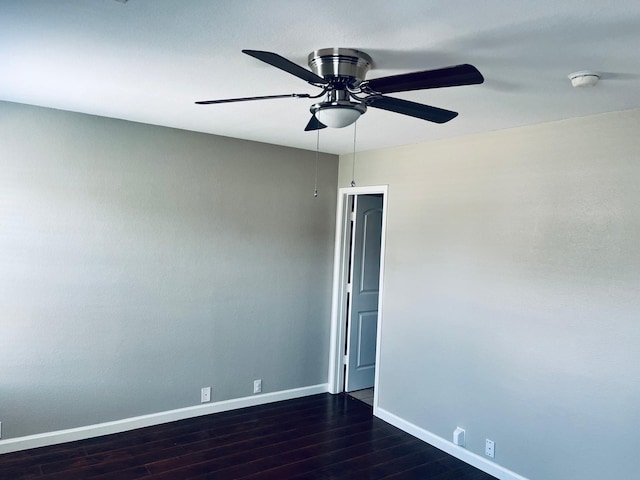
x=314 y=124
x=444 y=77
x=405 y=107
x=287 y=65
x=246 y=99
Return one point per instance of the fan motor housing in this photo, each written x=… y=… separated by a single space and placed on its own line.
x=340 y=65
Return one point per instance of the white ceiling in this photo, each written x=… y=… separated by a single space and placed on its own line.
x=149 y=60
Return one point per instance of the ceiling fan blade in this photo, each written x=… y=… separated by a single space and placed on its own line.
x=444 y=77
x=288 y=66
x=246 y=99
x=405 y=107
x=314 y=124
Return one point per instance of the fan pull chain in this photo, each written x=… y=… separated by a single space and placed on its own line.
x=353 y=168
x=315 y=188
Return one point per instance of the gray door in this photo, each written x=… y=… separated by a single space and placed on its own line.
x=364 y=285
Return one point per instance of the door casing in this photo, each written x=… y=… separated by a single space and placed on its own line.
x=340 y=279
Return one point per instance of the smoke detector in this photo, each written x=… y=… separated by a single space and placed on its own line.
x=584 y=78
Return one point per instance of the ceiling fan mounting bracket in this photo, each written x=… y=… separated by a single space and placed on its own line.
x=340 y=66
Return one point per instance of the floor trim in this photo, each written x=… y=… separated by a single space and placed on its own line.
x=107 y=428
x=460 y=453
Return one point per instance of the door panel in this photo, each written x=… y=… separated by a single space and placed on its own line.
x=365 y=279
x=370 y=261
x=367 y=328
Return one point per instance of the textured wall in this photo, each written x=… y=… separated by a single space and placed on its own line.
x=512 y=292
x=139 y=263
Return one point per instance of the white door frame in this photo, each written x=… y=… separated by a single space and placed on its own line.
x=339 y=304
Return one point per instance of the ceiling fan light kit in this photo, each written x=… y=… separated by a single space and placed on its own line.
x=584 y=78
x=338 y=115
x=341 y=74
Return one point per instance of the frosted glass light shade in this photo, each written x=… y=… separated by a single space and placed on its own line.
x=337 y=116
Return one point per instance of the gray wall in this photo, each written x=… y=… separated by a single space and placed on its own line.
x=139 y=264
x=512 y=292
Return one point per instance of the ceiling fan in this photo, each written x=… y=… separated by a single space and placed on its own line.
x=341 y=72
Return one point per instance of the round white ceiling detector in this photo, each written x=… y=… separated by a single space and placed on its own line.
x=584 y=78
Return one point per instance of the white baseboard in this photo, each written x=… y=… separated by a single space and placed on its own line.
x=107 y=428
x=460 y=453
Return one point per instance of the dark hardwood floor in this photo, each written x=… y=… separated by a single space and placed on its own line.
x=318 y=437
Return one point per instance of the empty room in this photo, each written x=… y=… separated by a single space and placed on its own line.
x=244 y=239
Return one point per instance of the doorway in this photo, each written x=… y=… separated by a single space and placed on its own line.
x=357 y=290
x=362 y=290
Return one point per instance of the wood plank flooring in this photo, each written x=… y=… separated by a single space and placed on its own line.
x=317 y=438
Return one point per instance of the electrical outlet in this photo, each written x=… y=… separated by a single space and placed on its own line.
x=0 y=429
x=205 y=394
x=257 y=386
x=490 y=448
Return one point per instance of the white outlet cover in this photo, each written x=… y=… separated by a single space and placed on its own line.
x=205 y=394
x=257 y=386
x=490 y=448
